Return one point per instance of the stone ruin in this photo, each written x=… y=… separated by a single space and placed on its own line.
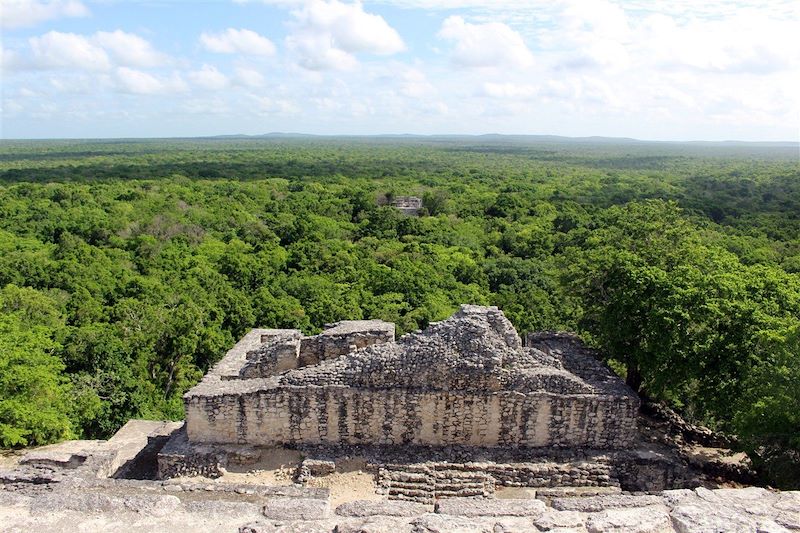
x=460 y=427
x=467 y=381
x=457 y=410
x=408 y=205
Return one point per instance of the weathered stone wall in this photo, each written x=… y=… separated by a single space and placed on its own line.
x=344 y=337
x=345 y=415
x=278 y=353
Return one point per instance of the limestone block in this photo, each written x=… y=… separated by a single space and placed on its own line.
x=489 y=507
x=558 y=520
x=593 y=504
x=374 y=524
x=650 y=519
x=436 y=523
x=219 y=508
x=749 y=508
x=318 y=467
x=304 y=526
x=296 y=509
x=161 y=505
x=704 y=518
x=381 y=507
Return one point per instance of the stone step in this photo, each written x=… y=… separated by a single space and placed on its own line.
x=392 y=467
x=471 y=491
x=460 y=486
x=403 y=476
x=411 y=490
x=426 y=499
x=459 y=475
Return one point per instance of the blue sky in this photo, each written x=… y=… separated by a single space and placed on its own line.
x=650 y=69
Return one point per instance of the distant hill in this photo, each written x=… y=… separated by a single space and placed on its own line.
x=503 y=138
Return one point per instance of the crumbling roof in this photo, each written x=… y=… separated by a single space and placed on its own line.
x=476 y=349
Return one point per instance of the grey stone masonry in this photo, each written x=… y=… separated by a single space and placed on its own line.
x=344 y=337
x=277 y=353
x=286 y=349
x=467 y=380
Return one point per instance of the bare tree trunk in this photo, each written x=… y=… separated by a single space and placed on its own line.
x=633 y=377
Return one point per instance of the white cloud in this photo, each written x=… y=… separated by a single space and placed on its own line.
x=11 y=107
x=206 y=107
x=133 y=81
x=491 y=44
x=67 y=50
x=414 y=83
x=98 y=52
x=264 y=105
x=73 y=83
x=138 y=82
x=590 y=34
x=601 y=34
x=8 y=58
x=208 y=77
x=747 y=42
x=248 y=77
x=24 y=13
x=327 y=34
x=129 y=49
x=513 y=91
x=233 y=41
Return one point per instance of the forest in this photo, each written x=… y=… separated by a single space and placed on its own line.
x=128 y=267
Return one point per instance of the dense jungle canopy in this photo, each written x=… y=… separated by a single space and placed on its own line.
x=128 y=267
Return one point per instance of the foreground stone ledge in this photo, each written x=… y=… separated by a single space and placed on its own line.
x=362 y=508
x=561 y=521
x=747 y=509
x=296 y=509
x=291 y=527
x=594 y=504
x=135 y=507
x=103 y=503
x=649 y=519
x=487 y=507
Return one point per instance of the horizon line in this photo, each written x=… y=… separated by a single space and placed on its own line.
x=584 y=138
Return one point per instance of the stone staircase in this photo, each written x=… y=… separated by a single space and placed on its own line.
x=428 y=482
x=425 y=483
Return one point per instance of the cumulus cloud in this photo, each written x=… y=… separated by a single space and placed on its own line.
x=66 y=50
x=601 y=34
x=248 y=77
x=414 y=83
x=490 y=44
x=209 y=78
x=129 y=49
x=98 y=52
x=514 y=91
x=137 y=82
x=8 y=58
x=265 y=105
x=25 y=13
x=233 y=41
x=747 y=42
x=328 y=34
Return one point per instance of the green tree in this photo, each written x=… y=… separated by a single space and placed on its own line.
x=34 y=394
